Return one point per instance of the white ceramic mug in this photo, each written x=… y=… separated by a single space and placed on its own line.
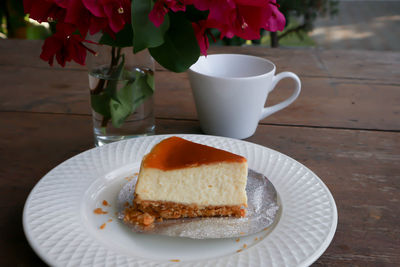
x=230 y=92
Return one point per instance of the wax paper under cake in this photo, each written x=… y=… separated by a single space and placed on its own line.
x=262 y=211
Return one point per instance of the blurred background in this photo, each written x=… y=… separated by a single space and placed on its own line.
x=330 y=24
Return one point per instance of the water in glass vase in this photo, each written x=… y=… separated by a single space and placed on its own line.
x=122 y=107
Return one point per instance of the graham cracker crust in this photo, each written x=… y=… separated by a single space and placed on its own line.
x=145 y=212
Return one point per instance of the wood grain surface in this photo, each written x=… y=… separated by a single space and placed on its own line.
x=344 y=126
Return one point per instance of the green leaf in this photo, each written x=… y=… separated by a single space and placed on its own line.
x=145 y=33
x=180 y=49
x=150 y=80
x=121 y=106
x=129 y=74
x=131 y=96
x=101 y=104
x=122 y=39
x=144 y=88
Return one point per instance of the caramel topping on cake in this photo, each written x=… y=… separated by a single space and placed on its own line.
x=176 y=153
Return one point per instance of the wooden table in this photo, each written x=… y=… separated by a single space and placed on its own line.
x=345 y=126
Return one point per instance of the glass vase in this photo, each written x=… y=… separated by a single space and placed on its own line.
x=121 y=87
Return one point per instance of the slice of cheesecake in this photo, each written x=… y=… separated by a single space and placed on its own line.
x=179 y=178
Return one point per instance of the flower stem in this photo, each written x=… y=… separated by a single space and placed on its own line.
x=104 y=82
x=104 y=121
x=115 y=57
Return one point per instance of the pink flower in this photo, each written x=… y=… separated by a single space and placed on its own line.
x=65 y=46
x=277 y=21
x=62 y=3
x=158 y=13
x=78 y=15
x=243 y=18
x=75 y=18
x=176 y=5
x=200 y=29
x=117 y=12
x=97 y=24
x=161 y=8
x=44 y=10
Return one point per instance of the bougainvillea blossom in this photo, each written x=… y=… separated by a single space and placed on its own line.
x=65 y=45
x=200 y=30
x=117 y=12
x=44 y=10
x=242 y=18
x=162 y=7
x=77 y=18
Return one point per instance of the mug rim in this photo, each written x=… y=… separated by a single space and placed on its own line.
x=234 y=78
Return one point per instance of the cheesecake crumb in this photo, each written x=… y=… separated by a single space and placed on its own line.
x=105 y=203
x=239 y=250
x=136 y=174
x=255 y=239
x=109 y=220
x=146 y=219
x=244 y=246
x=265 y=229
x=242 y=212
x=238 y=239
x=134 y=216
x=175 y=260
x=99 y=211
x=209 y=186
x=103 y=226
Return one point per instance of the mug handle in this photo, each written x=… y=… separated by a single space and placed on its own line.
x=270 y=110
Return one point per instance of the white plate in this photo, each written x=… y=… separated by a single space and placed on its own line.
x=62 y=228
